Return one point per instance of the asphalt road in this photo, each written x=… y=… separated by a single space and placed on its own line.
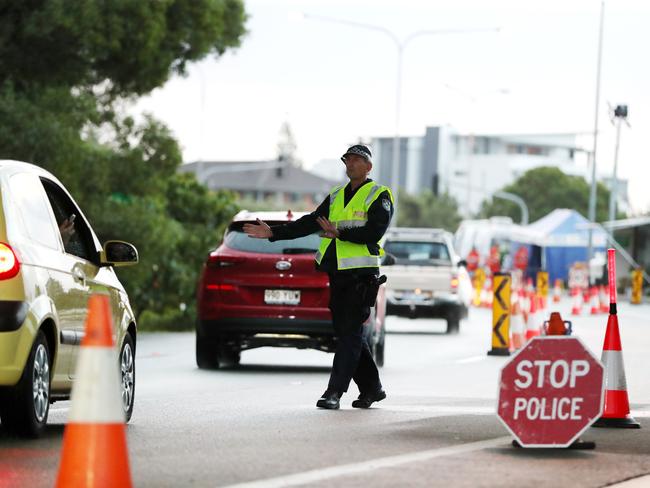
x=257 y=425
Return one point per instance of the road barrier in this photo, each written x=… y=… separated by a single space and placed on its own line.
x=501 y=316
x=637 y=286
x=94 y=443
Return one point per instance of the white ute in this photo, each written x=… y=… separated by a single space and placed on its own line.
x=428 y=278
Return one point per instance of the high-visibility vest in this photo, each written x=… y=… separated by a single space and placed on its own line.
x=350 y=255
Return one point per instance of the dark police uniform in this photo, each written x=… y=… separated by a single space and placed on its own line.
x=353 y=358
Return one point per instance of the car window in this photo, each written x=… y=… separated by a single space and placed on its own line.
x=28 y=195
x=413 y=252
x=236 y=239
x=80 y=242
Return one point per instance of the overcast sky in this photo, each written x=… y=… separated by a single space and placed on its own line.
x=334 y=83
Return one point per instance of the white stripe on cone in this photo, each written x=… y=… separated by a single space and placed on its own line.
x=614 y=370
x=96 y=396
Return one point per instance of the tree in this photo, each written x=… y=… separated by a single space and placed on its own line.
x=66 y=67
x=544 y=189
x=428 y=210
x=114 y=48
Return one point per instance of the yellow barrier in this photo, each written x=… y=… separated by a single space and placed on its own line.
x=501 y=316
x=637 y=286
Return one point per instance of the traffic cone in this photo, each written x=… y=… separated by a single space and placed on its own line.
x=576 y=309
x=516 y=327
x=617 y=406
x=616 y=412
x=94 y=443
x=534 y=323
x=595 y=306
x=556 y=326
x=557 y=291
x=603 y=298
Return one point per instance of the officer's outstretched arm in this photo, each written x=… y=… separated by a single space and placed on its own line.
x=260 y=230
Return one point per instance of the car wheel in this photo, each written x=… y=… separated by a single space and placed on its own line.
x=453 y=321
x=127 y=371
x=229 y=356
x=24 y=408
x=206 y=353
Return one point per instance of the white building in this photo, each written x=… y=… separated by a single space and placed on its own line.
x=471 y=167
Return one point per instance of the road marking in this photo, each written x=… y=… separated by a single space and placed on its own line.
x=640 y=482
x=473 y=359
x=440 y=410
x=317 y=475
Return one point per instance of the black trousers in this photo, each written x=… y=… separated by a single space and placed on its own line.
x=352 y=359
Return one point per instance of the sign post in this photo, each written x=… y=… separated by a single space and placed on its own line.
x=550 y=392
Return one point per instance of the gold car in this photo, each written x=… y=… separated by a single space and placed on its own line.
x=50 y=263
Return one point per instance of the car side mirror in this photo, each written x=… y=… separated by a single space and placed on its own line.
x=388 y=260
x=118 y=253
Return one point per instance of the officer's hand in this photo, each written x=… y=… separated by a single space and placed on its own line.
x=329 y=229
x=261 y=230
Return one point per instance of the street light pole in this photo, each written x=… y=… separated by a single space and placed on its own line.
x=592 y=193
x=620 y=114
x=401 y=46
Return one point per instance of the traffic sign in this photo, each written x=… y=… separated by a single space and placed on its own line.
x=542 y=283
x=501 y=316
x=550 y=392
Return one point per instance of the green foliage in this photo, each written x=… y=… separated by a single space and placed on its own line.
x=65 y=68
x=545 y=189
x=118 y=47
x=428 y=210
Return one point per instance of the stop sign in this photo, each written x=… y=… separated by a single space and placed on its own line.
x=550 y=392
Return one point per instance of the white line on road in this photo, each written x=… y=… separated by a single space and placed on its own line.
x=640 y=482
x=473 y=359
x=317 y=475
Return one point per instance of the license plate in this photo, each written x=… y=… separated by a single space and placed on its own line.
x=282 y=297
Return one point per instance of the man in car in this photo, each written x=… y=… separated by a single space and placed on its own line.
x=352 y=219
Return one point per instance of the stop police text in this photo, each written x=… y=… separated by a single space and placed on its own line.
x=547 y=374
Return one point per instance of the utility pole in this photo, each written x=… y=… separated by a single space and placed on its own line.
x=592 y=193
x=620 y=116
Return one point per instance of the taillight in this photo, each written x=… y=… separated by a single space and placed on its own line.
x=454 y=283
x=220 y=287
x=9 y=264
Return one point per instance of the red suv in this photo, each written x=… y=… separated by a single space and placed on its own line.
x=254 y=293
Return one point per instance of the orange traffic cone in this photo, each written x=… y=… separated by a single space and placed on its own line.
x=94 y=444
x=577 y=301
x=617 y=405
x=616 y=412
x=595 y=306
x=603 y=299
x=557 y=291
x=516 y=327
x=533 y=324
x=556 y=326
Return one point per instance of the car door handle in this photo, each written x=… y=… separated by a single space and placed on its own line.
x=79 y=276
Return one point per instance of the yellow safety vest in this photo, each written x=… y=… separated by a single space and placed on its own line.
x=350 y=255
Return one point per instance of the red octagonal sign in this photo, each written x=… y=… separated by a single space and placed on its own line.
x=550 y=392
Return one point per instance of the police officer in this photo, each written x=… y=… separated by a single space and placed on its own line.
x=352 y=220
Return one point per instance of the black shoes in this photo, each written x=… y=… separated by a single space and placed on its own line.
x=329 y=400
x=367 y=399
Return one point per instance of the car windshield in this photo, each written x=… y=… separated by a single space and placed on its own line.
x=418 y=253
x=236 y=239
